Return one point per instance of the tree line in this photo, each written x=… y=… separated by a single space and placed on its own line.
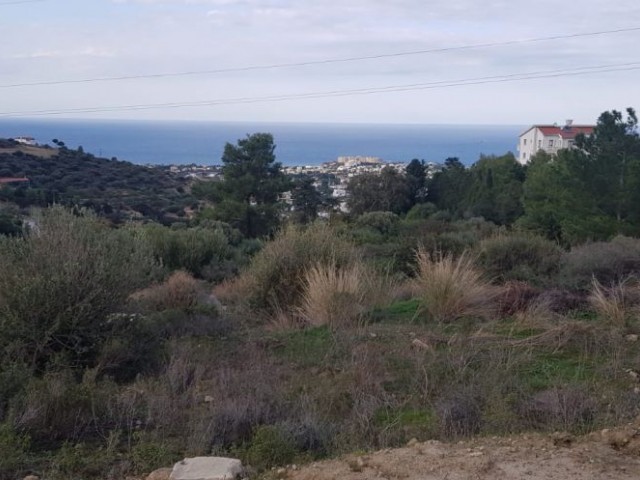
x=589 y=192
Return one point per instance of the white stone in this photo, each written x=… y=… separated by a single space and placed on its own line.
x=207 y=468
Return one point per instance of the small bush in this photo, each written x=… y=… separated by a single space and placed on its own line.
x=338 y=297
x=614 y=304
x=180 y=291
x=149 y=454
x=13 y=451
x=515 y=297
x=568 y=408
x=607 y=262
x=385 y=223
x=421 y=211
x=519 y=257
x=460 y=414
x=274 y=278
x=270 y=447
x=453 y=288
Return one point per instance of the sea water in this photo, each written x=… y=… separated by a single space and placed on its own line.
x=170 y=142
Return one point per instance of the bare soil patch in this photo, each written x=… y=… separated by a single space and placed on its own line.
x=608 y=454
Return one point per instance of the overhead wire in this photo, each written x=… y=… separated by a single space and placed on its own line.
x=18 y=2
x=316 y=62
x=576 y=71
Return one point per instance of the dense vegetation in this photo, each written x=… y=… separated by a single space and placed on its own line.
x=115 y=189
x=454 y=313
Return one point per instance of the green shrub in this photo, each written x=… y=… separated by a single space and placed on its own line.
x=14 y=448
x=148 y=454
x=60 y=282
x=274 y=279
x=421 y=211
x=270 y=447
x=385 y=223
x=607 y=262
x=519 y=257
x=203 y=251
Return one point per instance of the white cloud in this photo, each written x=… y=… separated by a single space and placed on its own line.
x=148 y=36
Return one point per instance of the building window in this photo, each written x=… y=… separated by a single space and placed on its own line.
x=524 y=142
x=550 y=143
x=539 y=143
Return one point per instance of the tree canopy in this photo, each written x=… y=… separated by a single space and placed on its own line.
x=591 y=192
x=249 y=196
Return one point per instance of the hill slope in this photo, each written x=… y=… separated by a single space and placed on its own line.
x=115 y=189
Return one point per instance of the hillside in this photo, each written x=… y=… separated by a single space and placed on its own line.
x=115 y=189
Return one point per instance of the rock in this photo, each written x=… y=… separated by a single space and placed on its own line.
x=160 y=474
x=412 y=442
x=208 y=399
x=31 y=477
x=207 y=468
x=632 y=337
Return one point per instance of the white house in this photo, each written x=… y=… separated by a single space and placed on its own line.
x=549 y=138
x=26 y=140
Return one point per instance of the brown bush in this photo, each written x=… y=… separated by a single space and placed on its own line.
x=565 y=408
x=616 y=303
x=452 y=288
x=515 y=296
x=180 y=291
x=338 y=297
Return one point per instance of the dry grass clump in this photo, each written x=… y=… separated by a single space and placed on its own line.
x=274 y=279
x=179 y=291
x=538 y=313
x=452 y=288
x=341 y=296
x=614 y=304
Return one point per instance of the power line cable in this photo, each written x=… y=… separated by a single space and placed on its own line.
x=341 y=93
x=318 y=62
x=19 y=2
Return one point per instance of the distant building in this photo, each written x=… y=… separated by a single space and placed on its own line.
x=549 y=138
x=9 y=180
x=26 y=140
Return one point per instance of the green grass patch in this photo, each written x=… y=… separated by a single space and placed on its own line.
x=306 y=348
x=422 y=418
x=512 y=330
x=398 y=312
x=403 y=374
x=549 y=369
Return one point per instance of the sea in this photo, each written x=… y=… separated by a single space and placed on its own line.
x=202 y=143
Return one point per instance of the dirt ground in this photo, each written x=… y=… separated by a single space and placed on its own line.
x=610 y=454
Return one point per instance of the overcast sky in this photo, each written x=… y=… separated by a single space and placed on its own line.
x=53 y=40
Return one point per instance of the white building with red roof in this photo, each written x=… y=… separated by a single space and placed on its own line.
x=549 y=138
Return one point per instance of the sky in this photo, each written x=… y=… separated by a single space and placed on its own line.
x=64 y=40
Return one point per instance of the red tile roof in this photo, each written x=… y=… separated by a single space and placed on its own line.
x=13 y=179
x=565 y=132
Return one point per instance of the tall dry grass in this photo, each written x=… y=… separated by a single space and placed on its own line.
x=341 y=296
x=273 y=280
x=616 y=303
x=451 y=288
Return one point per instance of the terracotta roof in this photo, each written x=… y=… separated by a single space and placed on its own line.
x=565 y=132
x=13 y=179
